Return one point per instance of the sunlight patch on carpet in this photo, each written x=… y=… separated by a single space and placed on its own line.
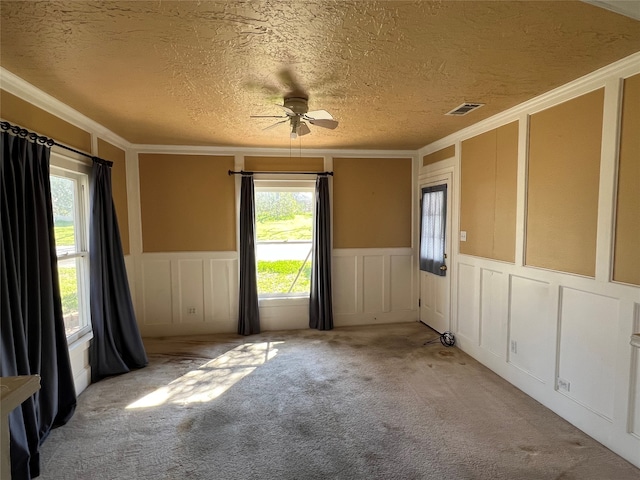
x=213 y=378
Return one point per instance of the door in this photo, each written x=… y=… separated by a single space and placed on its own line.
x=435 y=245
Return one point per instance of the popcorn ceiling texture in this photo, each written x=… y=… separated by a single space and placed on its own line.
x=163 y=72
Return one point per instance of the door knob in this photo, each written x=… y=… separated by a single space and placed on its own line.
x=443 y=267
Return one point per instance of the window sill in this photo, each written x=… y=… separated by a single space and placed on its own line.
x=283 y=301
x=81 y=342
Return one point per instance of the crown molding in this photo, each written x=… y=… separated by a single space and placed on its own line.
x=271 y=152
x=29 y=93
x=621 y=69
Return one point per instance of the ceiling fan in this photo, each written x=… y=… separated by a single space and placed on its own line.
x=296 y=111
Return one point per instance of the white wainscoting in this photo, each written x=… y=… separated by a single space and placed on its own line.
x=79 y=360
x=634 y=410
x=186 y=293
x=197 y=292
x=563 y=339
x=493 y=321
x=374 y=285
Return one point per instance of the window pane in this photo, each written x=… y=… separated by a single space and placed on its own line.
x=63 y=197
x=70 y=235
x=284 y=216
x=68 y=273
x=433 y=228
x=284 y=229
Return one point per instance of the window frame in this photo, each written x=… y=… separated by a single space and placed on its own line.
x=285 y=185
x=76 y=170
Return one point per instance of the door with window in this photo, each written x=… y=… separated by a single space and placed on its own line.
x=435 y=241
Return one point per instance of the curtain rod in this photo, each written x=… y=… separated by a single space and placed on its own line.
x=49 y=142
x=244 y=172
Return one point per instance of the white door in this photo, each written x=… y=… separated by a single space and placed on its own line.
x=435 y=245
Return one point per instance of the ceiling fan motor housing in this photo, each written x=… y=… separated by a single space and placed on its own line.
x=297 y=104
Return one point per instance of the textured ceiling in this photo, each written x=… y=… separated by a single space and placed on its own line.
x=191 y=73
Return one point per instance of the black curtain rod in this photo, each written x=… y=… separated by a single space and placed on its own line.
x=244 y=172
x=49 y=142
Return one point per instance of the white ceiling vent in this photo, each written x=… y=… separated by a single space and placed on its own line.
x=464 y=109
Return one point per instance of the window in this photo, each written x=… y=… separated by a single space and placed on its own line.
x=284 y=234
x=433 y=229
x=70 y=213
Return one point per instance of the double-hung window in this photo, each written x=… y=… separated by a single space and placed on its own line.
x=69 y=195
x=284 y=234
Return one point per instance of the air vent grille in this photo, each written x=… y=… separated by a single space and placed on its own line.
x=464 y=109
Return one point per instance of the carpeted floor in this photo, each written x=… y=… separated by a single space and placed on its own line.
x=351 y=403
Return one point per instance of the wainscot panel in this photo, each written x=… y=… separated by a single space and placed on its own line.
x=373 y=283
x=530 y=325
x=494 y=291
x=401 y=296
x=467 y=317
x=156 y=292
x=634 y=404
x=191 y=291
x=586 y=363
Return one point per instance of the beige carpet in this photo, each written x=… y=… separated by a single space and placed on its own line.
x=352 y=403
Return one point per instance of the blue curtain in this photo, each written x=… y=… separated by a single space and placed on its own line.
x=32 y=332
x=320 y=301
x=249 y=315
x=116 y=346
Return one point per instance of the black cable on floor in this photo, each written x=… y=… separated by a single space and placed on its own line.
x=447 y=339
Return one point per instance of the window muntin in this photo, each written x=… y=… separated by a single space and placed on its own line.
x=69 y=200
x=284 y=235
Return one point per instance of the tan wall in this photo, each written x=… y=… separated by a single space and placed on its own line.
x=626 y=266
x=441 y=154
x=187 y=203
x=17 y=111
x=489 y=164
x=372 y=202
x=284 y=164
x=118 y=187
x=563 y=175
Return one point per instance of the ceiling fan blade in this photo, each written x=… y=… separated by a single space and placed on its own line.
x=318 y=115
x=303 y=129
x=267 y=116
x=324 y=123
x=276 y=124
x=287 y=110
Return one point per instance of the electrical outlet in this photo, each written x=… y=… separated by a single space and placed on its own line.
x=191 y=310
x=514 y=346
x=564 y=384
x=463 y=236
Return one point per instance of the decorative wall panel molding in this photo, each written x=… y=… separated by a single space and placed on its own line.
x=374 y=285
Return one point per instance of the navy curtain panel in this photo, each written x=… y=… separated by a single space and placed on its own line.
x=320 y=301
x=248 y=313
x=116 y=346
x=32 y=332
